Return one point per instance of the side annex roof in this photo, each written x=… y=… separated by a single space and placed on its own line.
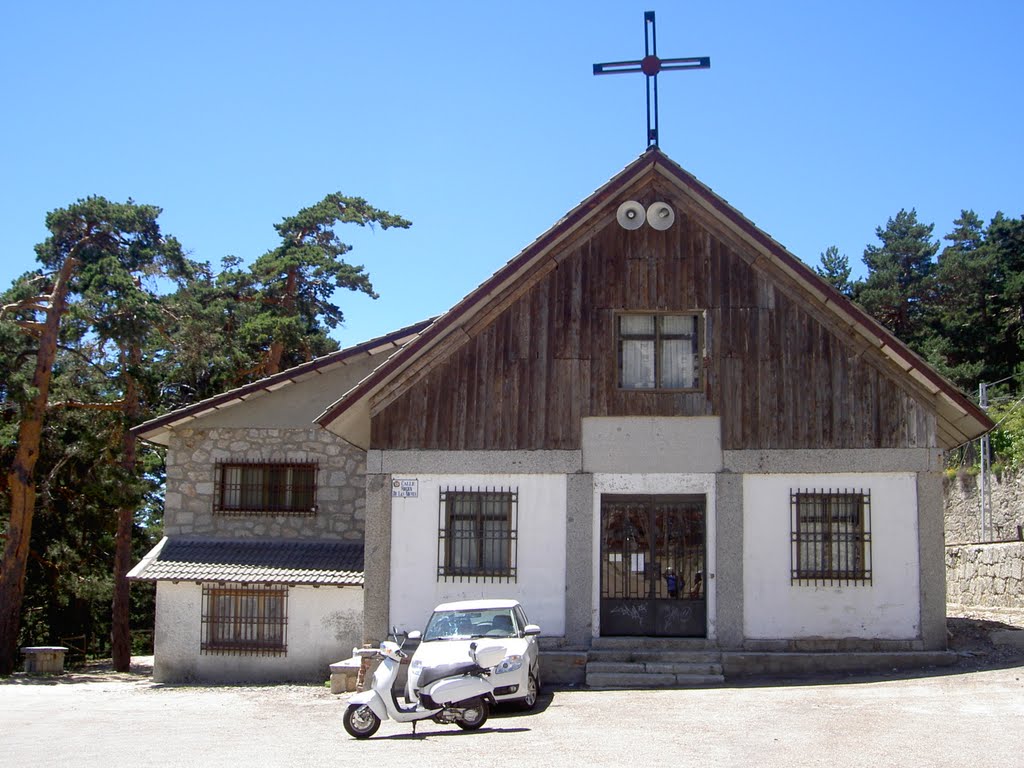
x=158 y=430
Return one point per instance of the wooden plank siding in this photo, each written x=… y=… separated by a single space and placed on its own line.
x=778 y=373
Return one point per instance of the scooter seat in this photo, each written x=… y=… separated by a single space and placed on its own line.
x=433 y=674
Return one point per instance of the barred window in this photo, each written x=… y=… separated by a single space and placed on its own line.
x=831 y=537
x=658 y=351
x=245 y=619
x=477 y=534
x=265 y=488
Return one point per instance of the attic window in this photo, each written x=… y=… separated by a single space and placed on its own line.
x=260 y=488
x=658 y=351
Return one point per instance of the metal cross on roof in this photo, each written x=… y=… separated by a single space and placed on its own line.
x=651 y=65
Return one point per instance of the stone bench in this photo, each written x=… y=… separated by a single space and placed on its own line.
x=344 y=675
x=44 y=659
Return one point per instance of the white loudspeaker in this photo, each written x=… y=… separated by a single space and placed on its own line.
x=630 y=215
x=660 y=216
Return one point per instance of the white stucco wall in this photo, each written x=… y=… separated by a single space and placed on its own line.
x=651 y=484
x=888 y=608
x=540 y=586
x=324 y=625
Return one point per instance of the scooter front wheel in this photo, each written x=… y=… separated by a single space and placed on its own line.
x=360 y=721
x=474 y=715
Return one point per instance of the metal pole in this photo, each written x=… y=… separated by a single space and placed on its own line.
x=983 y=486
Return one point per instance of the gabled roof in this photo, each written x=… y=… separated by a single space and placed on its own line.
x=254 y=561
x=158 y=430
x=959 y=419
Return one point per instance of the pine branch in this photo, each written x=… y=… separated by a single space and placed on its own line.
x=114 y=406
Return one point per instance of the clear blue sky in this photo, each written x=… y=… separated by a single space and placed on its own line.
x=482 y=122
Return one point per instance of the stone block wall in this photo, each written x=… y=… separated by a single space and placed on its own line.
x=986 y=575
x=192 y=458
x=963 y=508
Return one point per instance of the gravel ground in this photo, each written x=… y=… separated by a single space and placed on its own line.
x=95 y=717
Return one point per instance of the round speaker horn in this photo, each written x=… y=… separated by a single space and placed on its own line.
x=661 y=216
x=630 y=215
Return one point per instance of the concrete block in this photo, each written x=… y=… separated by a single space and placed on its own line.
x=44 y=660
x=344 y=675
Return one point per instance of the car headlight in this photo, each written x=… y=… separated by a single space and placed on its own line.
x=510 y=663
x=416 y=665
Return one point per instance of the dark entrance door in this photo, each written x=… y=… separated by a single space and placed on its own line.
x=652 y=566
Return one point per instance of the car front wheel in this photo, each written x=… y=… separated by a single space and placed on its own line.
x=529 y=701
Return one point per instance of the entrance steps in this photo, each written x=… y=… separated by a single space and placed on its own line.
x=653 y=662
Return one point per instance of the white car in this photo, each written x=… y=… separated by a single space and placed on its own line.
x=453 y=626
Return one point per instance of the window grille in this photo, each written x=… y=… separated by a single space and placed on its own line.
x=279 y=488
x=477 y=538
x=245 y=620
x=831 y=537
x=658 y=351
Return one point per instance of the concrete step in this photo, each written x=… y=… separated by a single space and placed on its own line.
x=646 y=656
x=649 y=680
x=656 y=668
x=651 y=643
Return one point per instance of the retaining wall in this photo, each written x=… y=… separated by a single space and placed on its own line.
x=985 y=574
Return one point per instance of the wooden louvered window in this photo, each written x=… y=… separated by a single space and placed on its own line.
x=253 y=488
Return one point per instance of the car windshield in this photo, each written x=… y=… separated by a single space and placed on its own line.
x=463 y=625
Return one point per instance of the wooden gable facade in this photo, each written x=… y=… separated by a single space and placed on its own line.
x=781 y=369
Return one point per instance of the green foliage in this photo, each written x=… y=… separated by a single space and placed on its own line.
x=835 y=268
x=1007 y=439
x=899 y=288
x=294 y=283
x=140 y=313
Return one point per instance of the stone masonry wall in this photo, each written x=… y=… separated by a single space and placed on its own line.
x=963 y=508
x=191 y=463
x=985 y=574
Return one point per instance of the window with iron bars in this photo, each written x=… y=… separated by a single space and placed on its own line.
x=245 y=619
x=831 y=537
x=477 y=534
x=277 y=488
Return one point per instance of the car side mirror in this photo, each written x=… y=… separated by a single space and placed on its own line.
x=415 y=635
x=531 y=629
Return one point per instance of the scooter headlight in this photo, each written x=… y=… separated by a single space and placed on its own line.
x=510 y=663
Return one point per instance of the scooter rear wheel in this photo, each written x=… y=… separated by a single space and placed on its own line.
x=474 y=715
x=360 y=721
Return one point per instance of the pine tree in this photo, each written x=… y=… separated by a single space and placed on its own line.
x=835 y=268
x=899 y=288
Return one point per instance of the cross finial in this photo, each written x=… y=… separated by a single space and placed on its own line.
x=651 y=65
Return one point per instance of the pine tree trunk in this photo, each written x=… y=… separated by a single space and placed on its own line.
x=21 y=476
x=121 y=633
x=276 y=351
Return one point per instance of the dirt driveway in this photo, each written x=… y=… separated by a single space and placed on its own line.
x=98 y=718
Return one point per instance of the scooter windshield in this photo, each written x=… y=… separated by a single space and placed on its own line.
x=464 y=625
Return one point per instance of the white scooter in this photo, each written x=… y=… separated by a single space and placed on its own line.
x=452 y=693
